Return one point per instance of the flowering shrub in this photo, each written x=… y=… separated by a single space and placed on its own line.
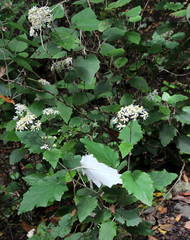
x=93 y=95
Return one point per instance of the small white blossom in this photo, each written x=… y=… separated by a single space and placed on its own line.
x=36 y=126
x=20 y=109
x=25 y=122
x=50 y=111
x=30 y=234
x=128 y=113
x=45 y=147
x=63 y=64
x=25 y=119
x=39 y=17
x=99 y=173
x=43 y=81
x=152 y=95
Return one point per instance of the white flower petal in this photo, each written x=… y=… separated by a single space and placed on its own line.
x=99 y=173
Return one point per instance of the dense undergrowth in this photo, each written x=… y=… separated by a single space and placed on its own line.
x=102 y=81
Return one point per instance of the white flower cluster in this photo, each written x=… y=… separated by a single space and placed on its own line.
x=128 y=113
x=63 y=64
x=43 y=81
x=39 y=17
x=25 y=119
x=48 y=142
x=50 y=111
x=152 y=95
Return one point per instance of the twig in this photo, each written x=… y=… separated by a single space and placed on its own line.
x=175 y=74
x=176 y=182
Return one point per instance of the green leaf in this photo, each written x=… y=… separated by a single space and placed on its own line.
x=180 y=13
x=75 y=236
x=65 y=111
x=107 y=231
x=183 y=116
x=109 y=50
x=23 y=63
x=120 y=62
x=125 y=149
x=132 y=217
x=51 y=51
x=65 y=37
x=85 y=20
x=16 y=156
x=133 y=37
x=161 y=179
x=52 y=156
x=85 y=206
x=135 y=183
x=133 y=12
x=135 y=19
x=132 y=133
x=113 y=34
x=139 y=83
x=117 y=4
x=32 y=140
x=188 y=12
x=5 y=54
x=183 y=144
x=64 y=226
x=166 y=134
x=86 y=68
x=173 y=6
x=45 y=191
x=178 y=36
x=17 y=46
x=144 y=229
x=102 y=152
x=58 y=11
x=174 y=98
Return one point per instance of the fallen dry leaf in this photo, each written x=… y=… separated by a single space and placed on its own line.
x=187 y=225
x=158 y=194
x=8 y=100
x=184 y=177
x=152 y=238
x=26 y=227
x=178 y=217
x=166 y=227
x=182 y=198
x=162 y=231
x=162 y=210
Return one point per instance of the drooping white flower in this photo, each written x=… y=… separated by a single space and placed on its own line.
x=50 y=111
x=39 y=17
x=128 y=113
x=43 y=81
x=99 y=173
x=30 y=234
x=63 y=64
